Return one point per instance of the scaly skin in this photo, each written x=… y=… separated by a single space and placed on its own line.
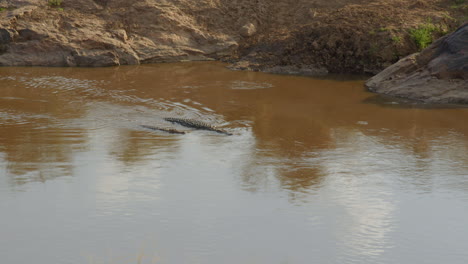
x=167 y=130
x=195 y=124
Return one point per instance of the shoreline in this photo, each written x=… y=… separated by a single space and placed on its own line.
x=310 y=38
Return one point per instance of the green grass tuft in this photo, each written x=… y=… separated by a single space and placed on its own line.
x=54 y=3
x=422 y=35
x=396 y=39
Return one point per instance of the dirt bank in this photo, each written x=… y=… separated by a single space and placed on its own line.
x=354 y=38
x=292 y=36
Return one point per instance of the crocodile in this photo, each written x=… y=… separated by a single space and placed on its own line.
x=167 y=130
x=191 y=123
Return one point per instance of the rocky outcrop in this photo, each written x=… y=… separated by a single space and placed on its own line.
x=106 y=33
x=438 y=74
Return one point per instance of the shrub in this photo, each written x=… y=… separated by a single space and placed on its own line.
x=422 y=35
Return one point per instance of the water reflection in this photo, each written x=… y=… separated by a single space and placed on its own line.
x=309 y=163
x=44 y=105
x=287 y=126
x=35 y=153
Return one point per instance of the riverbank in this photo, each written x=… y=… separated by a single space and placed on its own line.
x=286 y=36
x=306 y=37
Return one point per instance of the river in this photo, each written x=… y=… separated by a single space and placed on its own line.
x=316 y=171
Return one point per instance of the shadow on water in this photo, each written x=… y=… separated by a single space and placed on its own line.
x=396 y=102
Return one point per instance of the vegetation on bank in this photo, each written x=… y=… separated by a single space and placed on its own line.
x=7 y=8
x=54 y=3
x=426 y=33
x=423 y=35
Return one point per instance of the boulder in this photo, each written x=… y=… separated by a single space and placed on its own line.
x=438 y=74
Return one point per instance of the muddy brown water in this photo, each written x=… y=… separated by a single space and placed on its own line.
x=316 y=171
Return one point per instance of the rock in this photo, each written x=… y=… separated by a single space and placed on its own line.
x=438 y=74
x=451 y=58
x=111 y=32
x=95 y=58
x=241 y=65
x=5 y=36
x=248 y=30
x=121 y=34
x=28 y=34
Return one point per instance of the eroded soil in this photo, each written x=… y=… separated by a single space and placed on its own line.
x=285 y=36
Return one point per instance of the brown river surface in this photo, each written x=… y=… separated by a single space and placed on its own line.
x=316 y=171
